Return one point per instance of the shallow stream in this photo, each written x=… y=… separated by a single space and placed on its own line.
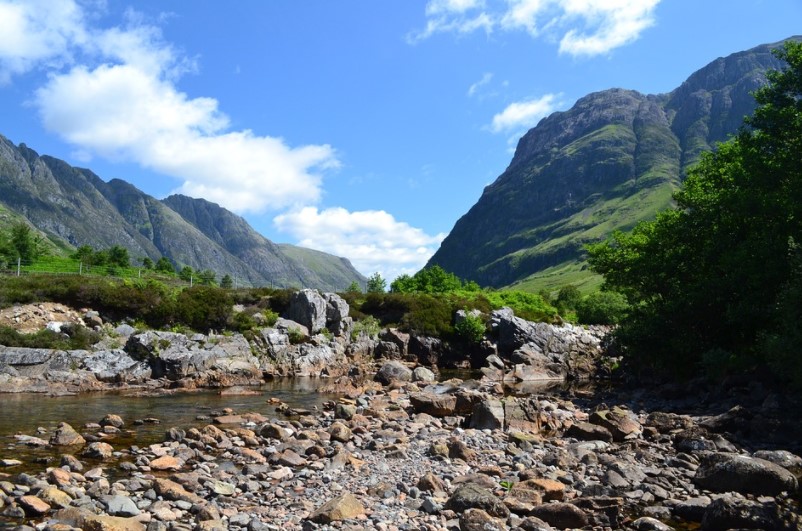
x=147 y=418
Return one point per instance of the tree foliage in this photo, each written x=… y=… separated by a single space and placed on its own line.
x=376 y=284
x=431 y=280
x=20 y=242
x=710 y=275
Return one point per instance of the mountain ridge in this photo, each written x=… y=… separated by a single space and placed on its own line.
x=611 y=160
x=75 y=206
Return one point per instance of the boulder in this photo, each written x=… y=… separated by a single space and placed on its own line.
x=488 y=414
x=723 y=472
x=98 y=450
x=422 y=374
x=114 y=366
x=436 y=405
x=585 y=431
x=622 y=423
x=65 y=435
x=551 y=351
x=472 y=496
x=561 y=515
x=177 y=356
x=309 y=308
x=393 y=371
x=337 y=320
x=426 y=350
x=729 y=512
x=342 y=507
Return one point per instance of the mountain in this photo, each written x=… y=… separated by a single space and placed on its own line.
x=612 y=160
x=73 y=207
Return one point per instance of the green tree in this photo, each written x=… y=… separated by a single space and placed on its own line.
x=431 y=280
x=186 y=273
x=706 y=277
x=226 y=282
x=353 y=287
x=568 y=297
x=376 y=284
x=24 y=244
x=84 y=254
x=118 y=256
x=163 y=265
x=403 y=284
x=147 y=263
x=206 y=277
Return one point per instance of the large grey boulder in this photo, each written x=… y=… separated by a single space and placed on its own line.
x=337 y=320
x=116 y=366
x=176 y=356
x=393 y=371
x=542 y=351
x=309 y=308
x=725 y=472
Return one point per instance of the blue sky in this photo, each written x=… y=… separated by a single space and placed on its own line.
x=364 y=128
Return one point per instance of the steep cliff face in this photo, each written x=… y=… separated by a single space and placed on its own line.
x=75 y=206
x=609 y=162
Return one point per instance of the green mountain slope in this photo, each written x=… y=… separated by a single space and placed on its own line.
x=609 y=162
x=73 y=206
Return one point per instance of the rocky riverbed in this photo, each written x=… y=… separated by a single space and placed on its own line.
x=398 y=450
x=414 y=455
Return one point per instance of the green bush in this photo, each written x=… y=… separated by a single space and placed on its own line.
x=368 y=325
x=471 y=329
x=203 y=308
x=295 y=335
x=72 y=337
x=603 y=308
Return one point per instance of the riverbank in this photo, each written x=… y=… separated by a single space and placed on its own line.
x=439 y=456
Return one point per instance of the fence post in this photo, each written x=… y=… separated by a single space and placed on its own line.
x=190 y=280
x=19 y=264
x=80 y=268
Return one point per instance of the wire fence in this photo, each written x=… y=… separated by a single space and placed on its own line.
x=66 y=266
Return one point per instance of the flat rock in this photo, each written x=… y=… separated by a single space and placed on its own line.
x=722 y=472
x=343 y=507
x=471 y=496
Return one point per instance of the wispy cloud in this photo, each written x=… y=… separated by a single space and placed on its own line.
x=474 y=89
x=373 y=239
x=525 y=114
x=582 y=27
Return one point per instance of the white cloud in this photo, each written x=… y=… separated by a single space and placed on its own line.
x=583 y=27
x=372 y=239
x=438 y=7
x=36 y=32
x=127 y=106
x=473 y=89
x=524 y=114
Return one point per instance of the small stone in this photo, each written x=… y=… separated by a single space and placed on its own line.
x=166 y=462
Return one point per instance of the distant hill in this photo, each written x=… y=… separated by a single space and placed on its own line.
x=73 y=207
x=610 y=161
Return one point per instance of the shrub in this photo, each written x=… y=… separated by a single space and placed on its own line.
x=369 y=326
x=203 y=308
x=295 y=335
x=471 y=328
x=603 y=307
